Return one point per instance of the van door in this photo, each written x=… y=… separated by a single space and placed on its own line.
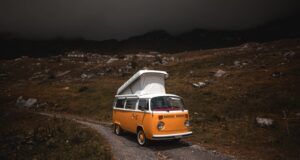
x=130 y=119
x=140 y=114
x=117 y=111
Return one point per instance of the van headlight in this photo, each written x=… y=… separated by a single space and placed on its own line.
x=160 y=125
x=187 y=123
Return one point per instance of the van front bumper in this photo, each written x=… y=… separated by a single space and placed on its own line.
x=171 y=136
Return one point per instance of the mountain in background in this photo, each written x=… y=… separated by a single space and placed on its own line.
x=159 y=40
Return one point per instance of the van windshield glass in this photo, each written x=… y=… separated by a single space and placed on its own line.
x=166 y=103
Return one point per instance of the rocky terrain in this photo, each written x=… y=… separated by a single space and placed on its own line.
x=243 y=100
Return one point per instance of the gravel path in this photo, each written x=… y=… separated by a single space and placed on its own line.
x=125 y=147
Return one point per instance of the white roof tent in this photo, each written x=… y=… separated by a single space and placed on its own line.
x=145 y=82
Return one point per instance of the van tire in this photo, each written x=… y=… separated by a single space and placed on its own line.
x=141 y=137
x=117 y=129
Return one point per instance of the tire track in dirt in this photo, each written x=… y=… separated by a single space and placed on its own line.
x=125 y=147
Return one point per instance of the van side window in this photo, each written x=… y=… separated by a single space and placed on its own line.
x=143 y=103
x=130 y=103
x=120 y=103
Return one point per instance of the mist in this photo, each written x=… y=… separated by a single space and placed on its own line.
x=115 y=19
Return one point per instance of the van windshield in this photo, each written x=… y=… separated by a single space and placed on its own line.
x=166 y=103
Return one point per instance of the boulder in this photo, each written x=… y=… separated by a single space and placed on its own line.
x=60 y=74
x=30 y=102
x=20 y=102
x=219 y=73
x=237 y=63
x=86 y=76
x=277 y=74
x=289 y=54
x=26 y=103
x=111 y=60
x=264 y=121
x=199 y=84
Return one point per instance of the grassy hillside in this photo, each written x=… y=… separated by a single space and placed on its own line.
x=29 y=136
x=260 y=80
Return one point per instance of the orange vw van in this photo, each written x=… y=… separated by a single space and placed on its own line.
x=142 y=107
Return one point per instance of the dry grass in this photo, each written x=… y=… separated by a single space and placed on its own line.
x=28 y=136
x=223 y=113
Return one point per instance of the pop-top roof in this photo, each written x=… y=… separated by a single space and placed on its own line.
x=145 y=82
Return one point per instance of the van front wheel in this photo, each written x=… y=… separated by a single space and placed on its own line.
x=117 y=129
x=141 y=137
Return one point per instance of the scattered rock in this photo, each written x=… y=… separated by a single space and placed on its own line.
x=158 y=60
x=60 y=74
x=237 y=63
x=17 y=59
x=101 y=73
x=264 y=121
x=245 y=46
x=199 y=84
x=20 y=102
x=111 y=60
x=128 y=57
x=143 y=56
x=86 y=76
x=30 y=102
x=277 y=74
x=129 y=66
x=259 y=48
x=26 y=103
x=289 y=54
x=164 y=60
x=219 y=73
x=66 y=88
x=153 y=52
x=37 y=75
x=83 y=76
x=43 y=105
x=108 y=70
x=172 y=59
x=75 y=54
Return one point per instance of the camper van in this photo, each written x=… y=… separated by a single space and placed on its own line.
x=143 y=107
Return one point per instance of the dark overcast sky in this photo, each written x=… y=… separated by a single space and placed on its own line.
x=104 y=19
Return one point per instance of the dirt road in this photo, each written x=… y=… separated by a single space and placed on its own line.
x=125 y=147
